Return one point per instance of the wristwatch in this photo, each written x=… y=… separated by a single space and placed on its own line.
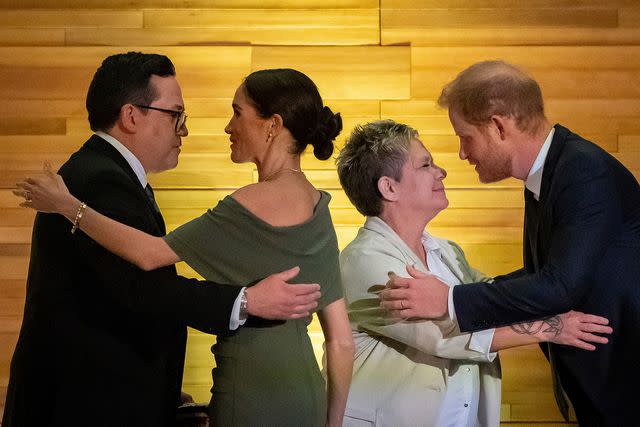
x=243 y=305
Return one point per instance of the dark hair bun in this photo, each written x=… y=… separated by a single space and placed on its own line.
x=328 y=127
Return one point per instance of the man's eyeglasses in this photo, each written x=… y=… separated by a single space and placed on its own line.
x=181 y=117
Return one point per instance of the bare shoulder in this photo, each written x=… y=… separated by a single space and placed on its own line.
x=248 y=194
x=278 y=204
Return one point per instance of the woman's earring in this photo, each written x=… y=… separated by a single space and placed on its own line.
x=269 y=137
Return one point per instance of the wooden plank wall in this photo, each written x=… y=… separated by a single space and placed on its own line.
x=371 y=59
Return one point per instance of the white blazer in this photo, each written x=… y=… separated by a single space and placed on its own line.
x=401 y=367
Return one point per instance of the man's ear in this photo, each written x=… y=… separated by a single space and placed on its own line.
x=388 y=188
x=128 y=118
x=502 y=125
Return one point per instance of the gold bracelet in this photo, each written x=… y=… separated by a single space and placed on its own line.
x=79 y=212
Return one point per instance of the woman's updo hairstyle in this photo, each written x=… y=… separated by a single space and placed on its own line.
x=295 y=97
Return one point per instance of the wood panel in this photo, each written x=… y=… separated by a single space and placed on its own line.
x=510 y=4
x=337 y=79
x=213 y=71
x=32 y=37
x=271 y=26
x=71 y=18
x=522 y=36
x=510 y=23
x=500 y=17
x=371 y=59
x=196 y=4
x=32 y=126
x=584 y=58
x=40 y=143
x=233 y=58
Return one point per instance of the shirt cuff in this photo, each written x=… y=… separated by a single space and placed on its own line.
x=452 y=308
x=481 y=342
x=235 y=322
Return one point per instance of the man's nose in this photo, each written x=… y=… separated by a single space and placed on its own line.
x=462 y=153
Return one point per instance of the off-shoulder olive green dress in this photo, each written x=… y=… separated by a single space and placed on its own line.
x=266 y=374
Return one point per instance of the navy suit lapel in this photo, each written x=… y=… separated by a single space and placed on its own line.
x=535 y=209
x=98 y=144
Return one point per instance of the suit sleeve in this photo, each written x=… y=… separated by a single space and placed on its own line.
x=365 y=270
x=586 y=216
x=205 y=306
x=513 y=275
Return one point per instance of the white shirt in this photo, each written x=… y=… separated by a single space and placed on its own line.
x=234 y=322
x=460 y=405
x=534 y=179
x=533 y=184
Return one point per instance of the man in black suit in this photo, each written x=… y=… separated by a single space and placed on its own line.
x=102 y=342
x=581 y=240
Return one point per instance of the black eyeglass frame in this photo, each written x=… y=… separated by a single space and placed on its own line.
x=181 y=117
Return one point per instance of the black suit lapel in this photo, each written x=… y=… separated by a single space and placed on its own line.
x=98 y=144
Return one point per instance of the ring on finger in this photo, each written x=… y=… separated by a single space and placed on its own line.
x=27 y=196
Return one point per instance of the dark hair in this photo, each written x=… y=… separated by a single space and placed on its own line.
x=123 y=79
x=295 y=97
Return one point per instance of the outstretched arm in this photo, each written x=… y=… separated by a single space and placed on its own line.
x=50 y=194
x=160 y=291
x=573 y=328
x=403 y=295
x=586 y=201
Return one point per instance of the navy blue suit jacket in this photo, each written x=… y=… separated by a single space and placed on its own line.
x=581 y=252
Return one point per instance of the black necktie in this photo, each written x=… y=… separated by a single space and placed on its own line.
x=151 y=197
x=531 y=228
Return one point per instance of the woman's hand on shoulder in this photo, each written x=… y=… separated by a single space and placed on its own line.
x=46 y=193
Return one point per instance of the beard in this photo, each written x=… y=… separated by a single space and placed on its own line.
x=494 y=169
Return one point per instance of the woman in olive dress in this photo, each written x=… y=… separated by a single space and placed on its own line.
x=266 y=373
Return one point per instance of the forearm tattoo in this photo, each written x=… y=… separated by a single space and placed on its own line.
x=551 y=325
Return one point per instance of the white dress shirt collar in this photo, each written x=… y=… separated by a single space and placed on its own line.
x=430 y=244
x=534 y=180
x=131 y=159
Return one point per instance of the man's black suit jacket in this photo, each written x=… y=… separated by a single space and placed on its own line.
x=581 y=252
x=102 y=342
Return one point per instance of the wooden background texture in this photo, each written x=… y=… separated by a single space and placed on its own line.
x=370 y=58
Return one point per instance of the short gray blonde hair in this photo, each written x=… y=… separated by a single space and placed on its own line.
x=372 y=151
x=495 y=88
